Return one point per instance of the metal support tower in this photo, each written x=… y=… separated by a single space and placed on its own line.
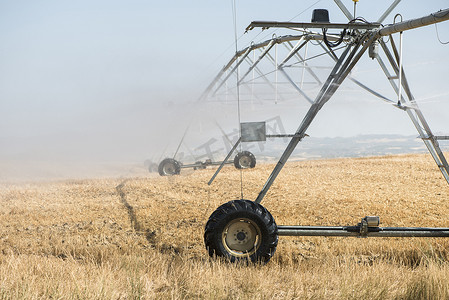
x=245 y=230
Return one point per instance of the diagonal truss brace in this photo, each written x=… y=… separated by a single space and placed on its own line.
x=344 y=65
x=413 y=111
x=342 y=69
x=235 y=62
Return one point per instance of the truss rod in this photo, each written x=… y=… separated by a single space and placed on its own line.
x=415 y=114
x=344 y=10
x=224 y=161
x=305 y=64
x=245 y=52
x=239 y=62
x=371 y=91
x=313 y=110
x=280 y=67
x=293 y=51
x=289 y=79
x=295 y=85
x=265 y=52
x=215 y=80
x=332 y=55
x=350 y=17
x=336 y=77
x=247 y=88
x=263 y=44
x=261 y=75
x=400 y=75
x=295 y=25
x=388 y=11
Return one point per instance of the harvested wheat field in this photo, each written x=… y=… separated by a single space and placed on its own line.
x=142 y=237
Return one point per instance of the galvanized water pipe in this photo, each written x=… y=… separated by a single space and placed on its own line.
x=436 y=17
x=354 y=231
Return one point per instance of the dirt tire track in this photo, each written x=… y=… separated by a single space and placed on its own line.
x=138 y=228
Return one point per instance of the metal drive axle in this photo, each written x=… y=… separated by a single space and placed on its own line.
x=205 y=164
x=368 y=227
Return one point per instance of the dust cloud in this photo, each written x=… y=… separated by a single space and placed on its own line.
x=97 y=89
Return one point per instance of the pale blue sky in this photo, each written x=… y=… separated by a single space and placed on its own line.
x=83 y=78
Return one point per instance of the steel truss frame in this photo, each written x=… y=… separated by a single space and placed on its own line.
x=344 y=65
x=363 y=37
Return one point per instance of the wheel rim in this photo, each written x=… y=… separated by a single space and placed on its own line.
x=245 y=162
x=241 y=237
x=169 y=168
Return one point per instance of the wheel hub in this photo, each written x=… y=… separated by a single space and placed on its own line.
x=169 y=169
x=241 y=237
x=245 y=162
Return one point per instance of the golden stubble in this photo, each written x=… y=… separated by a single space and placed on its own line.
x=142 y=237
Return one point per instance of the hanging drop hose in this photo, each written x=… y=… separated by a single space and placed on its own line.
x=438 y=36
x=400 y=62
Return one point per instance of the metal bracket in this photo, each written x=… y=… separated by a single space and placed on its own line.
x=368 y=222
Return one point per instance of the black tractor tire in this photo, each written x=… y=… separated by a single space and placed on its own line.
x=244 y=160
x=169 y=167
x=241 y=230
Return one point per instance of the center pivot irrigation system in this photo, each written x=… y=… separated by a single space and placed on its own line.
x=244 y=229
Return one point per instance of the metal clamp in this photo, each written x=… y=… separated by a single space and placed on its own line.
x=368 y=221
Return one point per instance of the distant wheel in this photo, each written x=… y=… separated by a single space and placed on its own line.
x=153 y=167
x=169 y=167
x=241 y=230
x=244 y=160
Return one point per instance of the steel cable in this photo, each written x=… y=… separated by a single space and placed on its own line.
x=234 y=14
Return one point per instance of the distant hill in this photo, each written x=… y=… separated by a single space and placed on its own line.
x=357 y=146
